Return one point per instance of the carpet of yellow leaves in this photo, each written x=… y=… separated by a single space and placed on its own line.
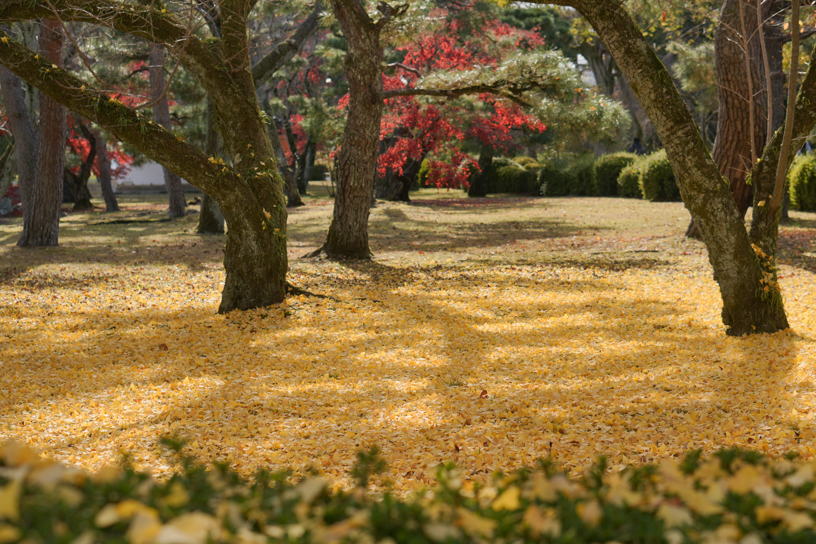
x=488 y=336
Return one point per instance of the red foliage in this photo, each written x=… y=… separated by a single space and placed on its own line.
x=443 y=128
x=120 y=161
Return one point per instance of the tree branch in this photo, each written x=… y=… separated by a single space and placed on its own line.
x=288 y=48
x=406 y=68
x=141 y=21
x=455 y=93
x=110 y=114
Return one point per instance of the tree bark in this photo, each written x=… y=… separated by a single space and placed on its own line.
x=732 y=145
x=161 y=115
x=479 y=186
x=25 y=134
x=705 y=193
x=356 y=161
x=211 y=220
x=103 y=165
x=41 y=219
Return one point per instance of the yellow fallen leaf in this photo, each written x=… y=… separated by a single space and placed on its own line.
x=10 y=501
x=542 y=522
x=590 y=512
x=508 y=500
x=674 y=516
x=9 y=533
x=474 y=524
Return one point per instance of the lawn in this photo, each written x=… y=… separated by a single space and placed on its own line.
x=487 y=332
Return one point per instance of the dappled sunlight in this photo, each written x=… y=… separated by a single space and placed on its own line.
x=489 y=361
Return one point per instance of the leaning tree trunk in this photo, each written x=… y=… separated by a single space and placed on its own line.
x=356 y=161
x=707 y=196
x=104 y=168
x=41 y=219
x=210 y=220
x=478 y=188
x=161 y=115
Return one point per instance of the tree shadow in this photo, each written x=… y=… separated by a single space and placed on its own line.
x=570 y=365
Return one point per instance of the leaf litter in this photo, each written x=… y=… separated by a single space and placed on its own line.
x=569 y=328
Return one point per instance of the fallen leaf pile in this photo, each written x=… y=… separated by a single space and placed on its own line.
x=501 y=336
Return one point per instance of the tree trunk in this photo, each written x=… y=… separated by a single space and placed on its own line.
x=293 y=199
x=478 y=188
x=706 y=195
x=356 y=161
x=25 y=134
x=211 y=220
x=732 y=146
x=41 y=219
x=161 y=115
x=77 y=183
x=103 y=164
x=303 y=182
x=406 y=180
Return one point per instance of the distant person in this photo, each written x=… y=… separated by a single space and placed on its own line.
x=807 y=148
x=637 y=147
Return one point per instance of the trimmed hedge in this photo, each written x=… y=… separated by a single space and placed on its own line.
x=572 y=175
x=657 y=179
x=629 y=181
x=512 y=179
x=608 y=168
x=802 y=180
x=735 y=496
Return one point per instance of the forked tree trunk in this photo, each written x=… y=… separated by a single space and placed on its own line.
x=707 y=196
x=356 y=162
x=478 y=188
x=103 y=164
x=161 y=115
x=41 y=218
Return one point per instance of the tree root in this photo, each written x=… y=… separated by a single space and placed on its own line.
x=294 y=290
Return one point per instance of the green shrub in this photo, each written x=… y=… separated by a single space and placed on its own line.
x=319 y=172
x=555 y=181
x=607 y=169
x=657 y=179
x=524 y=161
x=569 y=175
x=732 y=496
x=629 y=181
x=512 y=179
x=802 y=179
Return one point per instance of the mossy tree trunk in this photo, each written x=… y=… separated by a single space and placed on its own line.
x=249 y=191
x=737 y=270
x=356 y=161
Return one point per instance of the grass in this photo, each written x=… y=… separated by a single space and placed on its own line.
x=490 y=332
